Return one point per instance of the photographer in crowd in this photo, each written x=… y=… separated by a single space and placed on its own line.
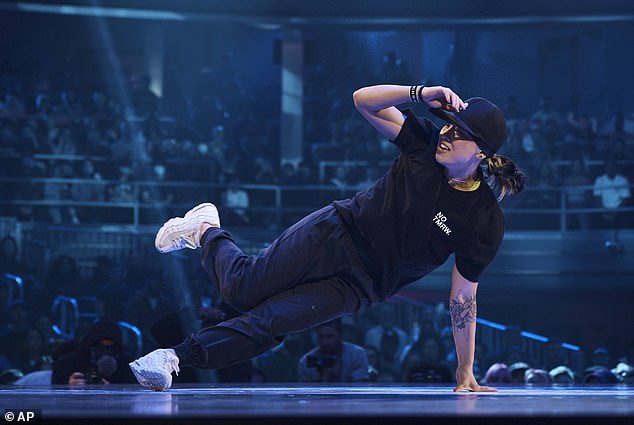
x=100 y=358
x=333 y=360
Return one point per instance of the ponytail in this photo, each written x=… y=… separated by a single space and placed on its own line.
x=503 y=176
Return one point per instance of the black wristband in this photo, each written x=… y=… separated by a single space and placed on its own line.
x=412 y=94
x=420 y=94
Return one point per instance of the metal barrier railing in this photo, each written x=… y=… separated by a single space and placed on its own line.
x=491 y=335
x=65 y=316
x=67 y=312
x=286 y=201
x=132 y=338
x=15 y=287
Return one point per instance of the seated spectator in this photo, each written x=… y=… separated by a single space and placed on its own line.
x=89 y=190
x=16 y=325
x=151 y=300
x=577 y=196
x=63 y=278
x=549 y=121
x=388 y=339
x=280 y=363
x=423 y=362
x=38 y=377
x=235 y=202
x=333 y=360
x=613 y=191
x=123 y=190
x=30 y=352
x=10 y=376
x=100 y=358
x=451 y=358
x=340 y=178
x=498 y=373
x=600 y=375
x=288 y=175
x=562 y=375
x=44 y=325
x=264 y=171
x=544 y=196
x=537 y=377
x=518 y=369
x=9 y=262
x=305 y=174
x=624 y=373
x=60 y=191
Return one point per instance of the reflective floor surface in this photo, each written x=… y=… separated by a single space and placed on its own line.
x=296 y=404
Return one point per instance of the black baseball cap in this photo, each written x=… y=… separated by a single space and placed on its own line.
x=482 y=120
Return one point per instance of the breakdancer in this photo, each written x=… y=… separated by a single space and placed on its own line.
x=439 y=197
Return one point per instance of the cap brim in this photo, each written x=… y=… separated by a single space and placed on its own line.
x=455 y=119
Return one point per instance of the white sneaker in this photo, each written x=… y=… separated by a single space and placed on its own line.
x=154 y=370
x=178 y=233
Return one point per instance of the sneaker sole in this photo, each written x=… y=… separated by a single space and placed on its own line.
x=189 y=217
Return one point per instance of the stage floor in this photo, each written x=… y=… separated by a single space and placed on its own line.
x=296 y=404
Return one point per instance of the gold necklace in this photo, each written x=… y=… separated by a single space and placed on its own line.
x=466 y=185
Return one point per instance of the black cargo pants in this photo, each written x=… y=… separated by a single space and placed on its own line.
x=309 y=275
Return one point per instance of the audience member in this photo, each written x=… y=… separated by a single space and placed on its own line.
x=31 y=353
x=562 y=375
x=100 y=358
x=333 y=360
x=600 y=375
x=613 y=191
x=17 y=324
x=9 y=261
x=624 y=373
x=152 y=299
x=498 y=373
x=549 y=122
x=518 y=370
x=423 y=362
x=578 y=193
x=63 y=278
x=235 y=202
x=389 y=339
x=92 y=189
x=56 y=191
x=281 y=363
x=534 y=376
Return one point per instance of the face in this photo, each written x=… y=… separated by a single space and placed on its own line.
x=328 y=340
x=456 y=148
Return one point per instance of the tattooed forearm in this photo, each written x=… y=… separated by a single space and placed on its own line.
x=462 y=312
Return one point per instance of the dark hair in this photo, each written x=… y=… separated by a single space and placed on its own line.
x=503 y=176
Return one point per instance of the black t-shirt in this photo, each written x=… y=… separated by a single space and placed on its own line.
x=411 y=220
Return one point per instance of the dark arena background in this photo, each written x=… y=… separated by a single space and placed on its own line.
x=117 y=115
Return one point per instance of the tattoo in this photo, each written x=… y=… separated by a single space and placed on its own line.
x=463 y=313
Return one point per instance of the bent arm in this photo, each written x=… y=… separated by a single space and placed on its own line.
x=463 y=309
x=377 y=105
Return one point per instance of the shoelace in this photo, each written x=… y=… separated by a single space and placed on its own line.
x=172 y=362
x=189 y=241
